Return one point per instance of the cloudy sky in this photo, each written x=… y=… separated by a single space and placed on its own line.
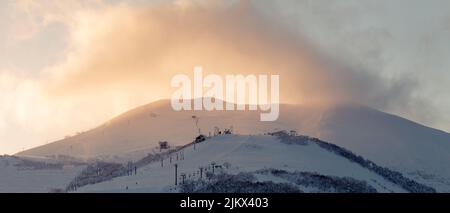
x=67 y=66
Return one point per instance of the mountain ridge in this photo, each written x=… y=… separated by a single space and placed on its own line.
x=389 y=140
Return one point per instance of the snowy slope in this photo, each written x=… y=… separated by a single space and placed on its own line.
x=388 y=140
x=138 y=131
x=418 y=151
x=245 y=154
x=17 y=175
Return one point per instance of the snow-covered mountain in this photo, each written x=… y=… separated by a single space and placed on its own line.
x=276 y=162
x=417 y=151
x=263 y=163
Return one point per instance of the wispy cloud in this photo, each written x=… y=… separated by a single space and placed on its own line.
x=27 y=17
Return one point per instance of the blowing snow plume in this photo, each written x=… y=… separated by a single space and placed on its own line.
x=123 y=55
x=139 y=49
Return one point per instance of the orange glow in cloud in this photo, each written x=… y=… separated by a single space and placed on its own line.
x=122 y=56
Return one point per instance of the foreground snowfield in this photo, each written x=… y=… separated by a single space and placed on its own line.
x=28 y=178
x=276 y=162
x=243 y=154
